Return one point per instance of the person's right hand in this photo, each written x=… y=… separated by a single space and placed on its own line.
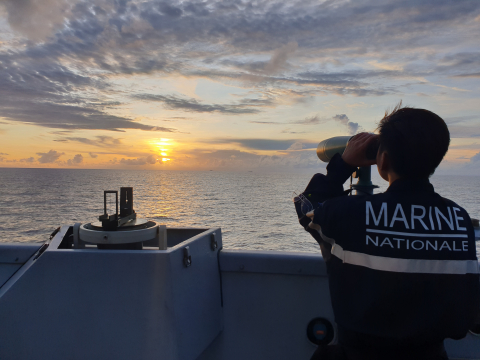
x=355 y=152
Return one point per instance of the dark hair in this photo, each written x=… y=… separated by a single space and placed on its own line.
x=416 y=141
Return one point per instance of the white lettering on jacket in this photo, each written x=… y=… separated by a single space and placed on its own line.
x=417 y=244
x=418 y=217
x=383 y=211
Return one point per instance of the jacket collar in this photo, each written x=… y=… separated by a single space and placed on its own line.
x=411 y=185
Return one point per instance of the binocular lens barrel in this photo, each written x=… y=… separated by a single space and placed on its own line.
x=329 y=147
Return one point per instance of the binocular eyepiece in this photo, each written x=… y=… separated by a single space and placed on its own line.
x=329 y=147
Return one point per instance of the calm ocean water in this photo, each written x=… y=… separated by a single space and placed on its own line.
x=253 y=209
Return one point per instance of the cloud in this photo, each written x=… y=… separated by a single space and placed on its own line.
x=305 y=84
x=473 y=146
x=301 y=145
x=242 y=160
x=352 y=127
x=176 y=103
x=475 y=158
x=37 y=89
x=279 y=58
x=70 y=117
x=28 y=160
x=311 y=120
x=261 y=144
x=49 y=157
x=464 y=131
x=289 y=131
x=472 y=166
x=1 y=153
x=266 y=122
x=77 y=159
x=296 y=146
x=266 y=26
x=342 y=118
x=92 y=155
x=170 y=11
x=460 y=119
x=461 y=64
x=35 y=19
x=100 y=141
x=473 y=75
x=150 y=159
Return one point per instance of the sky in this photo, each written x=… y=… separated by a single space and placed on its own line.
x=228 y=85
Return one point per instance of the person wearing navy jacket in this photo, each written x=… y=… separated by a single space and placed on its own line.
x=402 y=265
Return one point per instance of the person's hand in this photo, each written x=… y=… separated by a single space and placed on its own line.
x=355 y=152
x=310 y=214
x=312 y=225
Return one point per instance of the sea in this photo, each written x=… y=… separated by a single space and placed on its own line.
x=253 y=209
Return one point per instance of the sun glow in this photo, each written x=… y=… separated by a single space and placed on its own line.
x=164 y=142
x=161 y=144
x=164 y=148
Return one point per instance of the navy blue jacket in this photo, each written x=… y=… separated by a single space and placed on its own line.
x=402 y=264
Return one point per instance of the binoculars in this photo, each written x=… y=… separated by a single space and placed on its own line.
x=329 y=147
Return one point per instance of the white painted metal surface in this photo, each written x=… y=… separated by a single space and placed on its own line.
x=88 y=303
x=113 y=304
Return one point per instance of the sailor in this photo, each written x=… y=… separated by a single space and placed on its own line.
x=402 y=265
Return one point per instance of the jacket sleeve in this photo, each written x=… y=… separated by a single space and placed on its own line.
x=323 y=187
